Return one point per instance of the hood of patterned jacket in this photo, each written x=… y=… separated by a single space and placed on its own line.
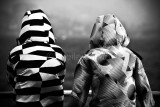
x=36 y=27
x=108 y=31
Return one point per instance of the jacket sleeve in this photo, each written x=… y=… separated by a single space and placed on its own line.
x=143 y=89
x=10 y=72
x=61 y=75
x=82 y=82
x=62 y=58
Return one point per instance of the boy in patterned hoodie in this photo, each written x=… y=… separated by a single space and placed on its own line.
x=114 y=73
x=36 y=66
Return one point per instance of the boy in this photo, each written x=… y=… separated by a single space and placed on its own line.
x=114 y=73
x=36 y=66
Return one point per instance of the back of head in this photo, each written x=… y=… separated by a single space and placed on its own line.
x=36 y=27
x=108 y=31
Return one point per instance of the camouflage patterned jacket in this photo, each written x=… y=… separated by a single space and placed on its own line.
x=113 y=72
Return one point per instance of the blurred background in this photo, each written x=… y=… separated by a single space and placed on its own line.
x=72 y=22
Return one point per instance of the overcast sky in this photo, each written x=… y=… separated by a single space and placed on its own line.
x=73 y=16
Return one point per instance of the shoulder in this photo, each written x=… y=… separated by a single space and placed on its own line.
x=99 y=55
x=97 y=51
x=134 y=53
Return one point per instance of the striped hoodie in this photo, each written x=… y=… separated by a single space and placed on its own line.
x=36 y=66
x=113 y=72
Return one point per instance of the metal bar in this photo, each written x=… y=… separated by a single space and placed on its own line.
x=156 y=92
x=10 y=94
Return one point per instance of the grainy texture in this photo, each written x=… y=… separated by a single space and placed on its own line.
x=113 y=72
x=36 y=67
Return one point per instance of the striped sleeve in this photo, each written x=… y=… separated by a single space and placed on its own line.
x=61 y=75
x=10 y=73
x=12 y=60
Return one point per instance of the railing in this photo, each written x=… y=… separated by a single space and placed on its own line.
x=9 y=95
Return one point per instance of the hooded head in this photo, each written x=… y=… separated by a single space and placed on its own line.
x=108 y=31
x=36 y=27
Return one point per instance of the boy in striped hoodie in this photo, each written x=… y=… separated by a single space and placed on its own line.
x=36 y=66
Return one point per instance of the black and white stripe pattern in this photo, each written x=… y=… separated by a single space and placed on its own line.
x=36 y=26
x=36 y=67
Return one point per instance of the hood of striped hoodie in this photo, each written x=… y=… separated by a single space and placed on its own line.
x=36 y=27
x=108 y=31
